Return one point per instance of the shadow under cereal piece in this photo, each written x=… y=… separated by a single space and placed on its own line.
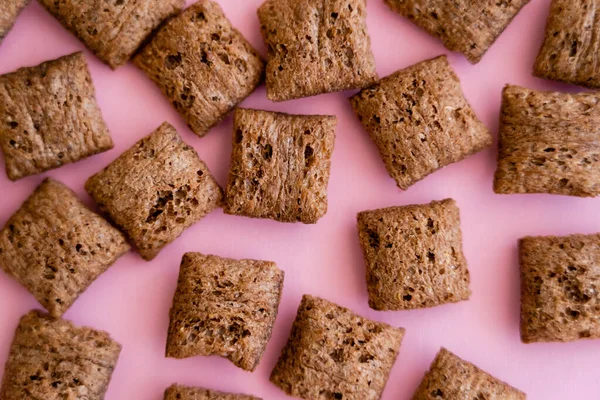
x=203 y=65
x=155 y=190
x=55 y=247
x=280 y=165
x=180 y=392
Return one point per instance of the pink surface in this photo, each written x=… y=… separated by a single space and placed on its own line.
x=132 y=299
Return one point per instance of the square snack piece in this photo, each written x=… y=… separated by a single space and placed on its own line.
x=224 y=307
x=203 y=65
x=414 y=256
x=469 y=27
x=450 y=377
x=316 y=47
x=560 y=286
x=180 y=392
x=280 y=165
x=9 y=11
x=332 y=353
x=113 y=30
x=52 y=359
x=55 y=247
x=569 y=52
x=49 y=117
x=155 y=190
x=549 y=143
x=420 y=120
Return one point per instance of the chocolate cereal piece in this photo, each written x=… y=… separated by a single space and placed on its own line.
x=224 y=307
x=569 y=51
x=549 y=143
x=202 y=64
x=420 y=120
x=49 y=117
x=280 y=165
x=414 y=256
x=155 y=190
x=9 y=11
x=560 y=282
x=315 y=47
x=55 y=247
x=52 y=359
x=333 y=353
x=180 y=392
x=113 y=30
x=450 y=377
x=469 y=27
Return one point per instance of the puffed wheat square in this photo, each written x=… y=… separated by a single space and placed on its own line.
x=180 y=392
x=155 y=190
x=414 y=256
x=52 y=359
x=113 y=30
x=49 y=117
x=55 y=247
x=420 y=120
x=560 y=281
x=450 y=377
x=569 y=51
x=315 y=47
x=224 y=307
x=202 y=64
x=549 y=143
x=469 y=27
x=332 y=353
x=9 y=11
x=280 y=165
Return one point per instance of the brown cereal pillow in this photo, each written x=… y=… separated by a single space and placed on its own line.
x=420 y=120
x=332 y=353
x=560 y=282
x=155 y=190
x=55 y=247
x=315 y=47
x=451 y=378
x=49 y=117
x=280 y=165
x=180 y=392
x=224 y=307
x=9 y=11
x=549 y=143
x=52 y=359
x=469 y=27
x=414 y=256
x=113 y=30
x=202 y=64
x=569 y=51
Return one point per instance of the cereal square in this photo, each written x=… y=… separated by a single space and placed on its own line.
x=549 y=143
x=450 y=377
x=315 y=47
x=420 y=120
x=560 y=282
x=52 y=359
x=155 y=190
x=224 y=307
x=9 y=11
x=49 y=117
x=113 y=30
x=55 y=247
x=569 y=51
x=280 y=165
x=469 y=27
x=202 y=64
x=414 y=256
x=180 y=392
x=332 y=353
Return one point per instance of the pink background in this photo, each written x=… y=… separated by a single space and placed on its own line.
x=132 y=299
